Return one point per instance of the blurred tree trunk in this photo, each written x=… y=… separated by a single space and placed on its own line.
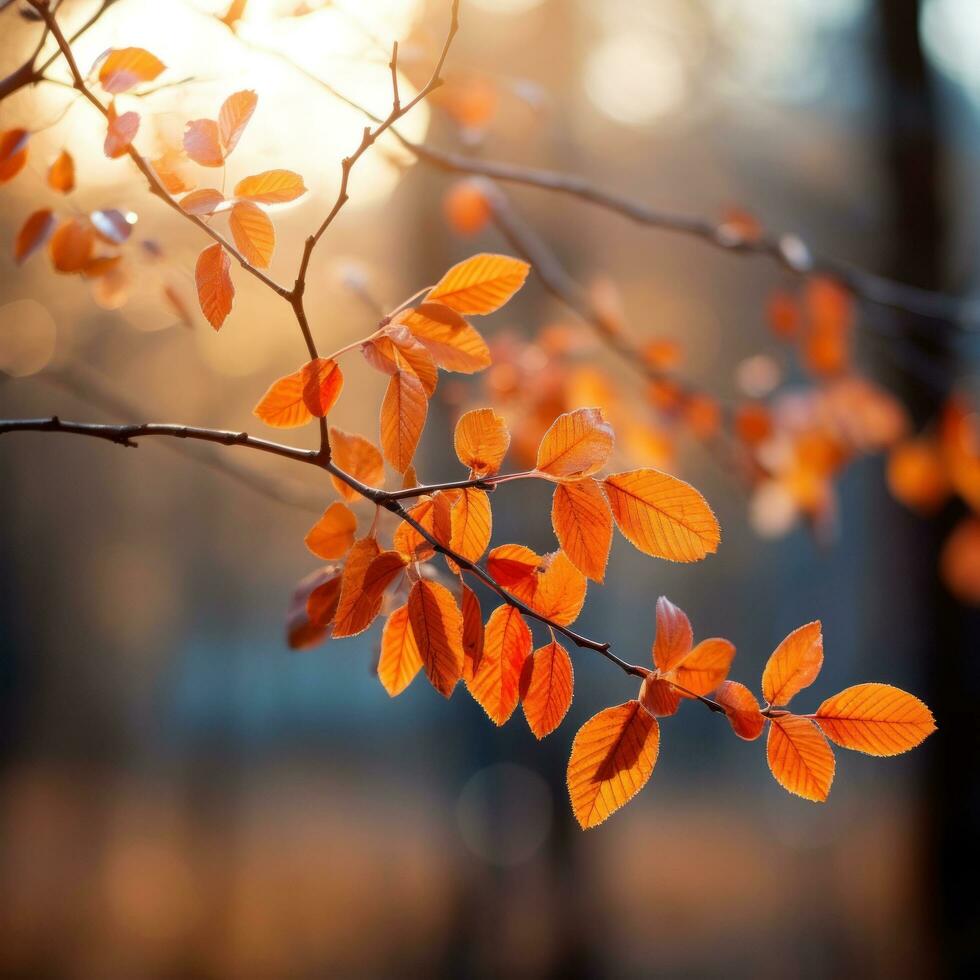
x=946 y=633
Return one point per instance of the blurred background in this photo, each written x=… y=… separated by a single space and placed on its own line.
x=181 y=796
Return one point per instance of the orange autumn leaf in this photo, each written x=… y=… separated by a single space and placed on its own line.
x=471 y=522
x=61 y=173
x=121 y=131
x=403 y=413
x=917 y=474
x=122 y=68
x=659 y=696
x=357 y=456
x=577 y=444
x=513 y=565
x=438 y=628
x=497 y=680
x=480 y=284
x=674 y=636
x=367 y=573
x=741 y=709
x=33 y=234
x=558 y=590
x=70 y=247
x=481 y=441
x=353 y=614
x=661 y=515
x=233 y=117
x=302 y=630
x=202 y=143
x=465 y=207
x=472 y=633
x=321 y=605
x=13 y=153
x=253 y=232
x=799 y=757
x=959 y=562
x=546 y=688
x=400 y=658
x=612 y=758
x=705 y=667
x=333 y=533
x=201 y=202
x=583 y=525
x=794 y=664
x=297 y=398
x=215 y=290
x=875 y=718
x=271 y=187
x=454 y=344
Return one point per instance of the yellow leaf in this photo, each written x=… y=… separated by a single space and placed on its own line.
x=400 y=658
x=794 y=664
x=612 y=758
x=480 y=284
x=333 y=533
x=661 y=515
x=546 y=688
x=506 y=645
x=875 y=718
x=799 y=757
x=481 y=441
x=253 y=232
x=576 y=446
x=583 y=525
x=438 y=628
x=271 y=187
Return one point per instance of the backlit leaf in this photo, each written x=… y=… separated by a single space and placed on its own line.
x=454 y=344
x=741 y=709
x=400 y=658
x=705 y=667
x=121 y=131
x=875 y=718
x=438 y=628
x=661 y=515
x=472 y=633
x=233 y=117
x=612 y=758
x=481 y=441
x=123 y=68
x=577 y=444
x=674 y=636
x=302 y=631
x=794 y=664
x=33 y=234
x=559 y=590
x=506 y=645
x=480 y=284
x=71 y=245
x=514 y=565
x=13 y=155
x=333 y=533
x=253 y=232
x=204 y=201
x=61 y=173
x=403 y=413
x=202 y=143
x=583 y=525
x=271 y=187
x=659 y=697
x=357 y=606
x=546 y=688
x=297 y=398
x=215 y=290
x=471 y=523
x=799 y=757
x=357 y=456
